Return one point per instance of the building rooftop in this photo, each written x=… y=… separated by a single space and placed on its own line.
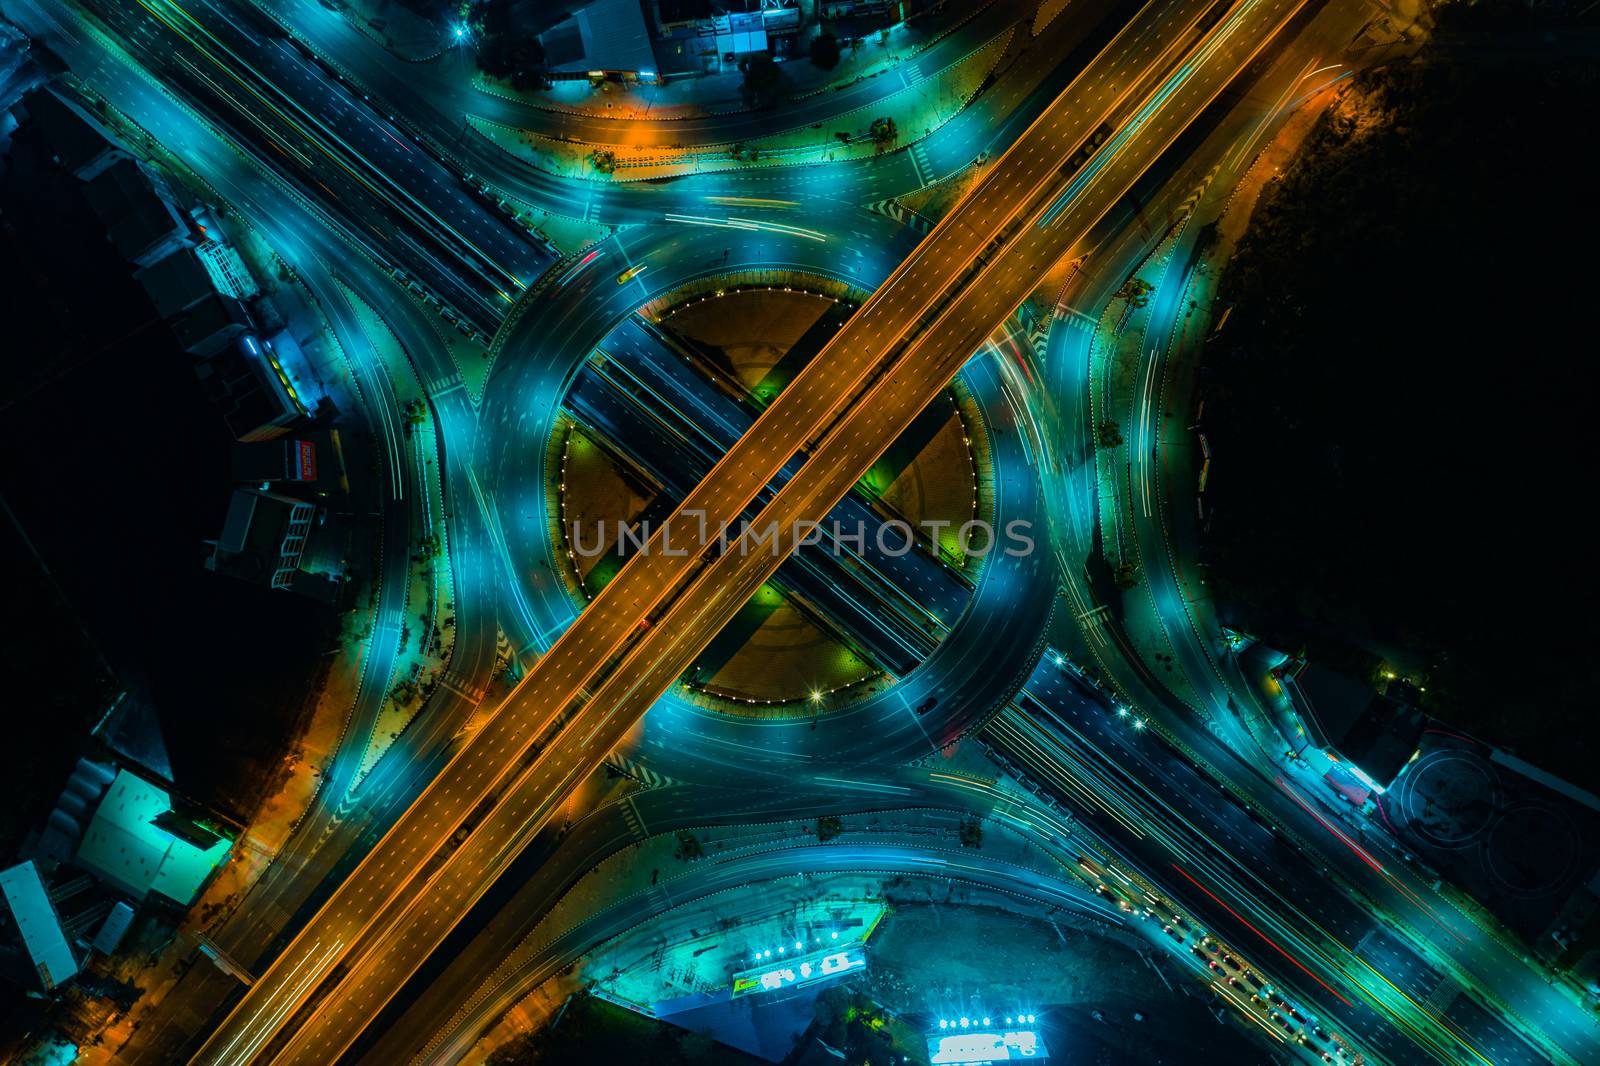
x=297 y=458
x=263 y=537
x=669 y=11
x=210 y=323
x=1330 y=702
x=741 y=33
x=139 y=221
x=175 y=282
x=113 y=929
x=76 y=141
x=130 y=844
x=243 y=530
x=1376 y=732
x=608 y=35
x=40 y=926
x=255 y=402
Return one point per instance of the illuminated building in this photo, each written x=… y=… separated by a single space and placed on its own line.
x=138 y=842
x=36 y=919
x=1374 y=733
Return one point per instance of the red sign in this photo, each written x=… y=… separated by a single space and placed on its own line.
x=306 y=467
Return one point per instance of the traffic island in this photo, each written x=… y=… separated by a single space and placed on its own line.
x=657 y=405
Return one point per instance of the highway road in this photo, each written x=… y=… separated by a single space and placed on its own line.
x=1180 y=87
x=335 y=823
x=503 y=733
x=1149 y=800
x=343 y=812
x=481 y=985
x=394 y=201
x=448 y=81
x=652 y=410
x=1158 y=496
x=1033 y=72
x=1162 y=515
x=324 y=172
x=968 y=672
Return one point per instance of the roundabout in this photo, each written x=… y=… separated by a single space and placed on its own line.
x=977 y=630
x=683 y=499
x=658 y=403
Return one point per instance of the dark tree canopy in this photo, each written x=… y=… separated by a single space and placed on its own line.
x=825 y=51
x=1397 y=406
x=761 y=77
x=504 y=53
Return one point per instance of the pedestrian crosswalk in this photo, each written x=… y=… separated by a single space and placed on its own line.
x=457 y=684
x=920 y=163
x=1075 y=317
x=444 y=384
x=1439 y=1000
x=630 y=814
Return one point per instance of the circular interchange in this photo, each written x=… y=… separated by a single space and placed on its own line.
x=625 y=451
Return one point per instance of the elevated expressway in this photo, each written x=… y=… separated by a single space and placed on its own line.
x=662 y=417
x=638 y=635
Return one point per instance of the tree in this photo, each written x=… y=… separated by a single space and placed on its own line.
x=518 y=59
x=850 y=1022
x=689 y=847
x=502 y=52
x=761 y=77
x=824 y=51
x=971 y=833
x=1110 y=433
x=1127 y=576
x=883 y=130
x=828 y=827
x=1136 y=291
